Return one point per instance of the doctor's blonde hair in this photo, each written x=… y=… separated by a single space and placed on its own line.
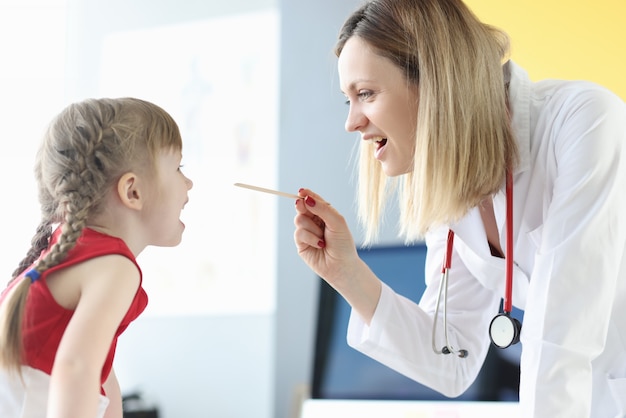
x=464 y=144
x=86 y=149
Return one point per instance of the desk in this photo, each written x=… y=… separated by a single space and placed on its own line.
x=325 y=408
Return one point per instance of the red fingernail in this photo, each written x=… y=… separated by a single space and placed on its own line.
x=300 y=190
x=321 y=243
x=309 y=201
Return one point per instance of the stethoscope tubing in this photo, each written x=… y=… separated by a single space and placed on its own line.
x=512 y=326
x=508 y=290
x=443 y=287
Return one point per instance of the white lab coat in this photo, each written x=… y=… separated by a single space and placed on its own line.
x=570 y=270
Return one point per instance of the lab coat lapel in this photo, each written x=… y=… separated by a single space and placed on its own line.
x=471 y=245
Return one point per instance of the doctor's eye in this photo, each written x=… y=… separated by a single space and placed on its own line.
x=365 y=94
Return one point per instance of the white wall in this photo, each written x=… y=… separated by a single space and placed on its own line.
x=241 y=366
x=316 y=153
x=199 y=367
x=187 y=366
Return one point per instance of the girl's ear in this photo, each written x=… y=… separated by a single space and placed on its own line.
x=129 y=191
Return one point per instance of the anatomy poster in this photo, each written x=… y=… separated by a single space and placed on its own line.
x=218 y=78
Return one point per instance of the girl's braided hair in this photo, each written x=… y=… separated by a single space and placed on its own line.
x=85 y=150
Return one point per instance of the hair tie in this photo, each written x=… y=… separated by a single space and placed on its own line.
x=33 y=275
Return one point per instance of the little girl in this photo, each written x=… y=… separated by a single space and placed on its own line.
x=110 y=184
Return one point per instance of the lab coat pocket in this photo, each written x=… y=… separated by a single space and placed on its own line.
x=618 y=390
x=535 y=236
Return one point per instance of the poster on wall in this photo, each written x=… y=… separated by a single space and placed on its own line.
x=218 y=78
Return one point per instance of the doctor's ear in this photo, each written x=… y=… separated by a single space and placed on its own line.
x=130 y=191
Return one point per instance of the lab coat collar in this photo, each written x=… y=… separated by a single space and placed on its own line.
x=519 y=102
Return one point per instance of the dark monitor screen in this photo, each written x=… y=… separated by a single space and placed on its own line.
x=341 y=372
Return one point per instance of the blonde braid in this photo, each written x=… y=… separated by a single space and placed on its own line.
x=38 y=244
x=82 y=185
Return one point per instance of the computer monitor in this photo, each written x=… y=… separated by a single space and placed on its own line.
x=341 y=372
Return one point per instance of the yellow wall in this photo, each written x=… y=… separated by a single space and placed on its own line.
x=568 y=39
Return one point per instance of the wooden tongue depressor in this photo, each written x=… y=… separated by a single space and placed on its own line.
x=264 y=190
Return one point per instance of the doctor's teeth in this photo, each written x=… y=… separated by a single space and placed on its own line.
x=376 y=140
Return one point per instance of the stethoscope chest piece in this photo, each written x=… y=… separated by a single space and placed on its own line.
x=504 y=330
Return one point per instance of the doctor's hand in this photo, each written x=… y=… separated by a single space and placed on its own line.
x=322 y=238
x=326 y=245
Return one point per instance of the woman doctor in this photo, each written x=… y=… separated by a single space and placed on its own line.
x=463 y=134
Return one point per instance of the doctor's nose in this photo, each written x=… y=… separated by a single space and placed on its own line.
x=356 y=120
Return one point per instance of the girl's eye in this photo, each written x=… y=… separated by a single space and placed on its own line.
x=180 y=167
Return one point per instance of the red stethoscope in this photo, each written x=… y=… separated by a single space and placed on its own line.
x=504 y=330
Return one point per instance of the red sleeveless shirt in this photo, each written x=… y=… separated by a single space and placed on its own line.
x=45 y=320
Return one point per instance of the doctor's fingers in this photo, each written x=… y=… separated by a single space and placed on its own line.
x=327 y=229
x=314 y=204
x=310 y=199
x=311 y=223
x=308 y=237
